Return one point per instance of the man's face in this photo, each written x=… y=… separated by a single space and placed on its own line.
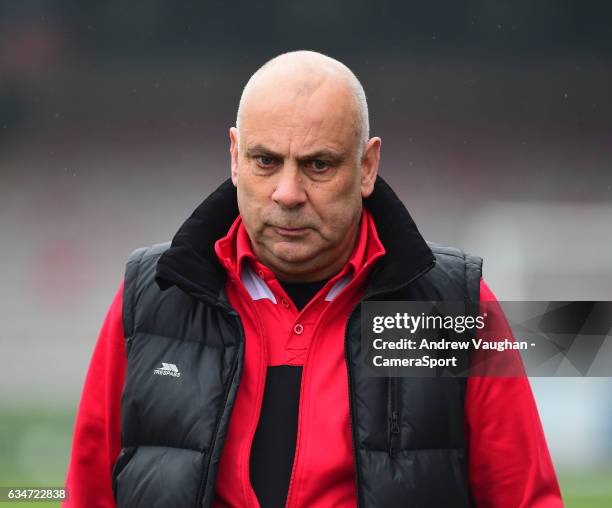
x=299 y=177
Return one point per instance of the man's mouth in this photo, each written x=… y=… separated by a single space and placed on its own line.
x=290 y=231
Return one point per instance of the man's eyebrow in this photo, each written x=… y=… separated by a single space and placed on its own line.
x=262 y=150
x=324 y=154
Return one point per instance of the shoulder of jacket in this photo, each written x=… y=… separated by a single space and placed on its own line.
x=140 y=261
x=444 y=251
x=148 y=251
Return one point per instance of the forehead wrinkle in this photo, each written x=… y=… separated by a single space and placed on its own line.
x=303 y=139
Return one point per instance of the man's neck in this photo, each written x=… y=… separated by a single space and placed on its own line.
x=302 y=292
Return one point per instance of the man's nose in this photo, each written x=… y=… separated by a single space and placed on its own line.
x=289 y=191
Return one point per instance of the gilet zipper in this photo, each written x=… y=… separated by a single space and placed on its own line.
x=394 y=419
x=347 y=355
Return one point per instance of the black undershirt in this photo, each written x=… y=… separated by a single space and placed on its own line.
x=273 y=446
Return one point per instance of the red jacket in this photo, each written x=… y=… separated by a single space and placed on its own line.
x=323 y=472
x=509 y=464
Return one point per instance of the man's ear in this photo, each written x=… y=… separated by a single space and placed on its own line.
x=233 y=134
x=369 y=166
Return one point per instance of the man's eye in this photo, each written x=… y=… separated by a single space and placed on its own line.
x=264 y=161
x=319 y=166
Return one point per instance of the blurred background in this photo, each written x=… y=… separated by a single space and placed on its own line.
x=496 y=122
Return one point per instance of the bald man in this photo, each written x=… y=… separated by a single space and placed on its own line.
x=229 y=369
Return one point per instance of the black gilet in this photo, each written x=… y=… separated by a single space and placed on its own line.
x=408 y=433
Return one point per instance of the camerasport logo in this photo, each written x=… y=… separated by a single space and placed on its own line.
x=167 y=369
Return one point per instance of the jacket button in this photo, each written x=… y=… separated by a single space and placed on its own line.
x=284 y=302
x=260 y=273
x=298 y=329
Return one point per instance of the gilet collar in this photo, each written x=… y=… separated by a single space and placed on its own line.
x=191 y=262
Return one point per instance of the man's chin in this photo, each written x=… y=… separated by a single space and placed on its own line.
x=293 y=254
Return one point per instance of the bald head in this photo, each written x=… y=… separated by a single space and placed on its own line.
x=299 y=75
